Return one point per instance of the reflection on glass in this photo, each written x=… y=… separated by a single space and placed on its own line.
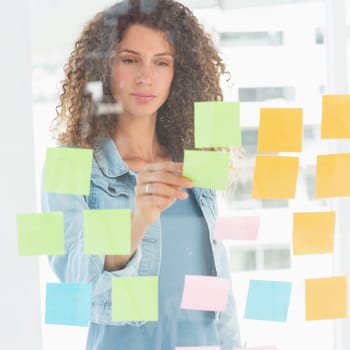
x=276 y=259
x=251 y=38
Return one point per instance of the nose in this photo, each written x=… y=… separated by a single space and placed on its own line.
x=145 y=74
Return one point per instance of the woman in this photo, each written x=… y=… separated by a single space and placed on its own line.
x=154 y=60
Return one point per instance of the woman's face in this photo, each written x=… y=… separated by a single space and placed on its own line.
x=142 y=71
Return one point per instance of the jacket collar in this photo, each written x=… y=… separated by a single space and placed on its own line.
x=109 y=160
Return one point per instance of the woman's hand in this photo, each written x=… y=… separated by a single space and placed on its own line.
x=157 y=187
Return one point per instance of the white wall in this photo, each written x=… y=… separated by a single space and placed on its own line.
x=19 y=286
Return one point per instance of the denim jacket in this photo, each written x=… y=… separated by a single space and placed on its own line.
x=112 y=187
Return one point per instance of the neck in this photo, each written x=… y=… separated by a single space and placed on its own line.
x=137 y=141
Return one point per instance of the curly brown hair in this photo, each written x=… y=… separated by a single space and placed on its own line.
x=197 y=71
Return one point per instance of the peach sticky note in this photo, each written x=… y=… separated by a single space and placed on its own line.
x=237 y=227
x=335 y=117
x=275 y=177
x=313 y=233
x=326 y=298
x=332 y=175
x=280 y=130
x=205 y=293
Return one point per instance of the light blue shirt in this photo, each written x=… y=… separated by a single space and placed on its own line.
x=186 y=250
x=112 y=187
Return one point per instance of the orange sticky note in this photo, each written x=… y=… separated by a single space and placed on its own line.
x=280 y=130
x=313 y=233
x=275 y=177
x=332 y=175
x=335 y=122
x=326 y=298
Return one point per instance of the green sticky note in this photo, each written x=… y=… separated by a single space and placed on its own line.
x=217 y=124
x=68 y=170
x=40 y=234
x=207 y=169
x=107 y=232
x=135 y=298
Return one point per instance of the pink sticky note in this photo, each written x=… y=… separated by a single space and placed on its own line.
x=207 y=293
x=197 y=348
x=237 y=227
x=258 y=348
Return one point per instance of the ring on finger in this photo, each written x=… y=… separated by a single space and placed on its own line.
x=147 y=190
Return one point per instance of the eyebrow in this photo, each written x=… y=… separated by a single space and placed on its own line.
x=137 y=53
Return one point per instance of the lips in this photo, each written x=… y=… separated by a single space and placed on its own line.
x=145 y=97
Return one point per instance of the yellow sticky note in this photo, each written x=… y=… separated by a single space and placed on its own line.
x=275 y=177
x=335 y=117
x=313 y=233
x=280 y=130
x=332 y=175
x=326 y=298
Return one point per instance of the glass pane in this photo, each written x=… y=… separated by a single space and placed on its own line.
x=276 y=58
x=243 y=259
x=276 y=258
x=251 y=38
x=278 y=64
x=348 y=40
x=266 y=93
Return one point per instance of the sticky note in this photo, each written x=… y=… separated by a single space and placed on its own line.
x=40 y=234
x=135 y=298
x=109 y=108
x=95 y=88
x=268 y=300
x=197 y=348
x=258 y=348
x=280 y=130
x=326 y=298
x=332 y=175
x=275 y=177
x=107 y=231
x=68 y=170
x=68 y=304
x=237 y=227
x=335 y=122
x=206 y=293
x=313 y=233
x=207 y=169
x=216 y=124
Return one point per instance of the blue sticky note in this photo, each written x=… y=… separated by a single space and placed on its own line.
x=268 y=300
x=68 y=304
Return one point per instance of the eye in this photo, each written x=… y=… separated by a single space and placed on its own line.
x=128 y=60
x=162 y=63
